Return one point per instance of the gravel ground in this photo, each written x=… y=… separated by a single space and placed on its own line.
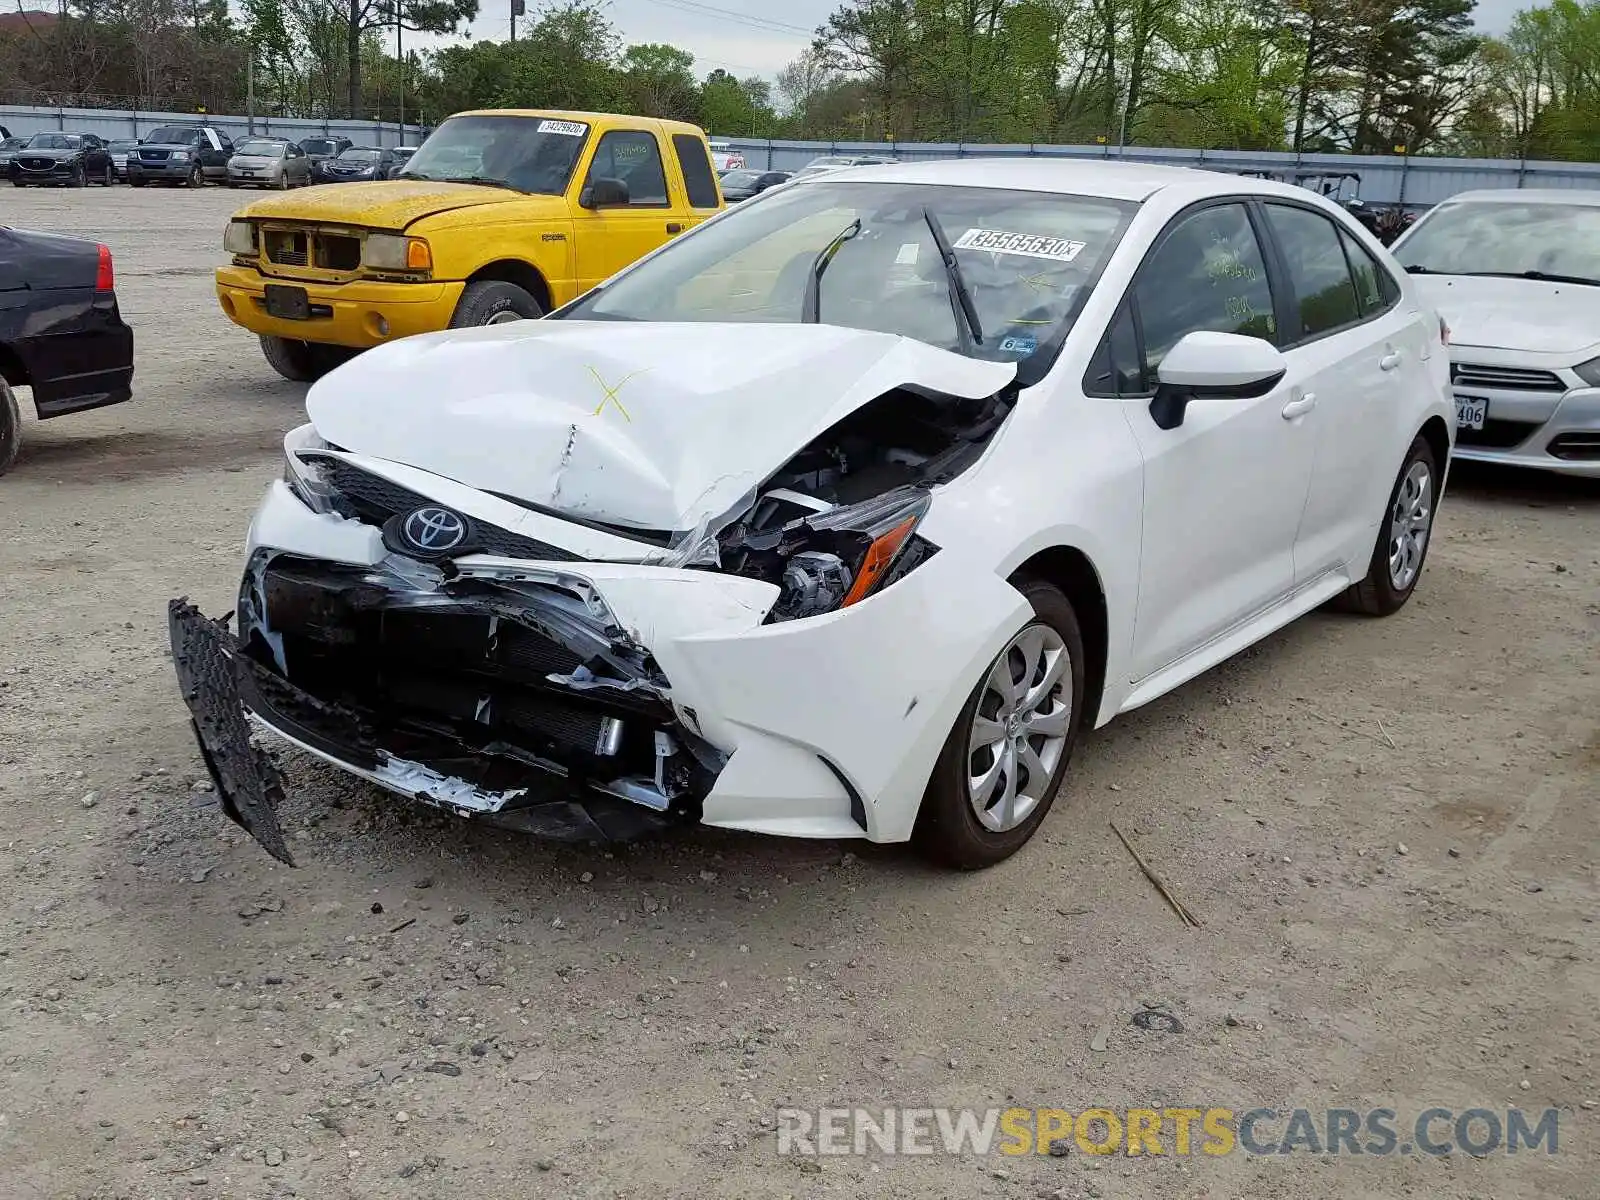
x=1387 y=830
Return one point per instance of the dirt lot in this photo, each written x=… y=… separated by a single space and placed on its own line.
x=1388 y=830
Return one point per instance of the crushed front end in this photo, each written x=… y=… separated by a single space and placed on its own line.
x=517 y=701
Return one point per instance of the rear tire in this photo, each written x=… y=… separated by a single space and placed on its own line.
x=491 y=302
x=10 y=427
x=949 y=829
x=1397 y=558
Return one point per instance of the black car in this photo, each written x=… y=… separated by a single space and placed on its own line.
x=323 y=149
x=742 y=183
x=355 y=164
x=60 y=331
x=8 y=150
x=62 y=160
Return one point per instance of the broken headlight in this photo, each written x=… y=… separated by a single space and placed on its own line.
x=306 y=479
x=836 y=558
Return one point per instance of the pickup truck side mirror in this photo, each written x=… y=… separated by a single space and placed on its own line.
x=1213 y=366
x=604 y=193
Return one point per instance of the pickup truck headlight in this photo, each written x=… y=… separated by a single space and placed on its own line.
x=395 y=252
x=240 y=238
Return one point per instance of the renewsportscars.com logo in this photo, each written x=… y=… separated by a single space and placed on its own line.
x=1345 y=1132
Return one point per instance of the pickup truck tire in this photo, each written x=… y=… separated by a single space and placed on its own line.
x=197 y=177
x=135 y=180
x=10 y=427
x=491 y=302
x=302 y=362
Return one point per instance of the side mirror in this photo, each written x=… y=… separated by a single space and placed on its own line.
x=1213 y=366
x=604 y=193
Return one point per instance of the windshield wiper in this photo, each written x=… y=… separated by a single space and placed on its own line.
x=1542 y=276
x=811 y=305
x=1419 y=269
x=483 y=179
x=952 y=271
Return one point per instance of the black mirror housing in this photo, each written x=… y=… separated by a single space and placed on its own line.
x=604 y=192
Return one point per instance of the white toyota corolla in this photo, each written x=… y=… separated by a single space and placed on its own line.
x=1005 y=449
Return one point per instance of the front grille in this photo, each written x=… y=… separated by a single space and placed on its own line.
x=1506 y=379
x=37 y=164
x=375 y=500
x=338 y=253
x=154 y=155
x=1576 y=447
x=286 y=247
x=1497 y=434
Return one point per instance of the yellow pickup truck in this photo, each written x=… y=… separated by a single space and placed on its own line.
x=501 y=215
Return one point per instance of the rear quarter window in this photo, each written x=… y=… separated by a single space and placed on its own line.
x=698 y=178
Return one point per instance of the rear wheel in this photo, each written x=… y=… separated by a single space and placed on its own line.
x=491 y=302
x=1403 y=539
x=10 y=427
x=1003 y=763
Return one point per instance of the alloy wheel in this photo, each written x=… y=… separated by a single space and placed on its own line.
x=1019 y=730
x=1409 y=525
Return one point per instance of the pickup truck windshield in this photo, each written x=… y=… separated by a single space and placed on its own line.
x=1026 y=261
x=530 y=154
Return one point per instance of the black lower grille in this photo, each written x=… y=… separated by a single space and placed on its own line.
x=1576 y=447
x=1497 y=434
x=375 y=500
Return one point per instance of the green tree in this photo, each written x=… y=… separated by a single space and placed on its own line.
x=658 y=81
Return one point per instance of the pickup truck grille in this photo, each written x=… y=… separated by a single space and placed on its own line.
x=303 y=248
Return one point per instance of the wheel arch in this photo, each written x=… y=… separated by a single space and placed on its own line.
x=518 y=272
x=12 y=369
x=1070 y=569
x=1435 y=433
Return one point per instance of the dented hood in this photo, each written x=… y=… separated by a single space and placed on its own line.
x=1514 y=314
x=652 y=426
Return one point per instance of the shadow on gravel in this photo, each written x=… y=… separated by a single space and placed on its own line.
x=121 y=457
x=1536 y=489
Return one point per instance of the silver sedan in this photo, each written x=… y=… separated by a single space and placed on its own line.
x=268 y=162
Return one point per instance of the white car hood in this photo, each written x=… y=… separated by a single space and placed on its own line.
x=1515 y=314
x=647 y=425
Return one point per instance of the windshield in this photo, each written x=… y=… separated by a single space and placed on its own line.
x=54 y=141
x=1491 y=238
x=740 y=178
x=261 y=149
x=123 y=145
x=11 y=143
x=171 y=133
x=319 y=146
x=528 y=154
x=1026 y=258
x=359 y=156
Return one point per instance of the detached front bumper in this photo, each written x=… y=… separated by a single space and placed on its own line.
x=628 y=689
x=359 y=314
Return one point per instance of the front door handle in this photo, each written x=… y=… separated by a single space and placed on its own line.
x=674 y=227
x=1390 y=360
x=1300 y=407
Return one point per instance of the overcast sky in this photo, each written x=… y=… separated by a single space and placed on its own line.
x=757 y=37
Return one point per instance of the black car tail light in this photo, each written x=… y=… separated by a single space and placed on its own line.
x=105 y=278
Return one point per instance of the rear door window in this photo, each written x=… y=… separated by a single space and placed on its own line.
x=1325 y=295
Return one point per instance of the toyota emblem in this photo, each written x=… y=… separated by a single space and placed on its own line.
x=434 y=530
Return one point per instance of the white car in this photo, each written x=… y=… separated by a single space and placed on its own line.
x=1008 y=448
x=724 y=157
x=1516 y=276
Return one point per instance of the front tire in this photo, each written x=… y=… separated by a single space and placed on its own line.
x=196 y=177
x=302 y=362
x=10 y=427
x=1403 y=539
x=1002 y=765
x=80 y=177
x=135 y=180
x=109 y=178
x=491 y=302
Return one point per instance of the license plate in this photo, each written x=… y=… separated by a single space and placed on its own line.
x=248 y=174
x=1471 y=411
x=289 y=303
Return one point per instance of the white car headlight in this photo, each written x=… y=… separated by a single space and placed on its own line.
x=1589 y=372
x=396 y=252
x=240 y=238
x=305 y=479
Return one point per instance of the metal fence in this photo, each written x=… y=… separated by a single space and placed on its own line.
x=1385 y=179
x=109 y=123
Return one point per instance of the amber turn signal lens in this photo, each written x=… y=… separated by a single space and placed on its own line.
x=418 y=256
x=880 y=556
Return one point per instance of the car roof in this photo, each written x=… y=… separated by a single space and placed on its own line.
x=590 y=118
x=1587 y=197
x=1073 y=176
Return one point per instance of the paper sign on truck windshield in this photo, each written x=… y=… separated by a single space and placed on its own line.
x=570 y=128
x=1028 y=244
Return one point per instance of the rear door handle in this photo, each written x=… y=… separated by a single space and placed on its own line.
x=1390 y=360
x=1300 y=407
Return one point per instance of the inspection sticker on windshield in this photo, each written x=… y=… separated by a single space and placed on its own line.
x=1027 y=244
x=569 y=128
